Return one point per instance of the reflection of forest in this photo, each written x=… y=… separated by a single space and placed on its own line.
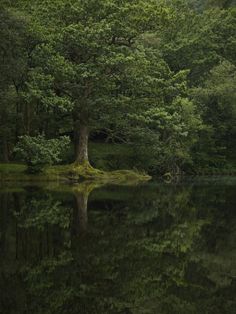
x=146 y=249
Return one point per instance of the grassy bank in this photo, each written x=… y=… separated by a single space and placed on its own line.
x=69 y=173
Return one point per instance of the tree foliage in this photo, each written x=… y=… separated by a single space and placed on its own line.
x=141 y=73
x=38 y=151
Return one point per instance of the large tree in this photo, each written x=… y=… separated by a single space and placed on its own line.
x=91 y=65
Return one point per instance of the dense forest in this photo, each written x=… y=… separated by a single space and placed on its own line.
x=117 y=156
x=145 y=84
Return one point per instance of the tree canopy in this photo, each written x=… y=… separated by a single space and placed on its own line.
x=154 y=76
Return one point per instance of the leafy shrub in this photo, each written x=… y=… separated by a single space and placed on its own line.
x=38 y=151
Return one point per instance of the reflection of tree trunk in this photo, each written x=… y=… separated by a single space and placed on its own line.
x=80 y=215
x=82 y=203
x=81 y=212
x=74 y=224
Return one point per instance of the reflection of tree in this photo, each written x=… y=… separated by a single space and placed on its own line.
x=153 y=258
x=80 y=215
x=160 y=235
x=173 y=281
x=154 y=254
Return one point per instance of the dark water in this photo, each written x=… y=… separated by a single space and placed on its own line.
x=156 y=248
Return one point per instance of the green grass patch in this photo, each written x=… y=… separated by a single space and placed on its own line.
x=75 y=172
x=70 y=173
x=12 y=168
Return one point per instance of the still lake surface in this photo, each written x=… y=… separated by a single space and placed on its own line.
x=155 y=248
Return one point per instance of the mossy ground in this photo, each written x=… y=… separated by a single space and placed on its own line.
x=71 y=173
x=78 y=172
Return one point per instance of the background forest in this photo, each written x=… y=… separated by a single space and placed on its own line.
x=147 y=84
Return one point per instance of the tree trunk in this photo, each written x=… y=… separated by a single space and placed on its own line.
x=82 y=150
x=76 y=137
x=27 y=119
